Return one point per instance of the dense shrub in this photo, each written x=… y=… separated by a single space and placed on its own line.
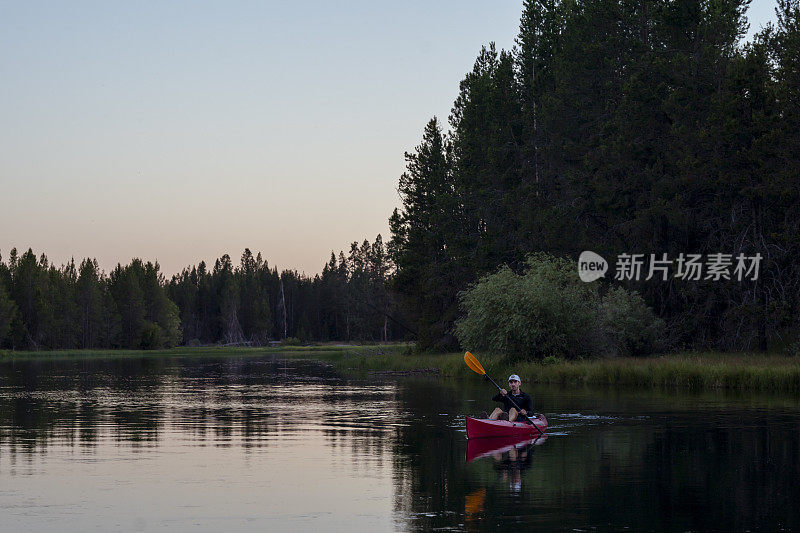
x=8 y=312
x=628 y=325
x=548 y=311
x=151 y=336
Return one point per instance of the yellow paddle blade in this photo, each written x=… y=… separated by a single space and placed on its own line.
x=473 y=364
x=475 y=503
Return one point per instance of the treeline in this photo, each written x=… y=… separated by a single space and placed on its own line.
x=252 y=302
x=617 y=126
x=43 y=306
x=134 y=306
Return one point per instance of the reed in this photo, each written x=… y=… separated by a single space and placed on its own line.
x=689 y=371
x=696 y=371
x=320 y=351
x=692 y=370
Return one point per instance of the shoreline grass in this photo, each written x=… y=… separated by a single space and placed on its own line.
x=205 y=351
x=691 y=370
x=694 y=371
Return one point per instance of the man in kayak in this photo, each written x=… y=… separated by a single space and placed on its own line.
x=520 y=398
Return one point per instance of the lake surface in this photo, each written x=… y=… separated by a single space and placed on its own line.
x=266 y=444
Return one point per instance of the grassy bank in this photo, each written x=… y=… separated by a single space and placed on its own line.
x=332 y=352
x=696 y=371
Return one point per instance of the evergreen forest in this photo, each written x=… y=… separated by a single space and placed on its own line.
x=616 y=126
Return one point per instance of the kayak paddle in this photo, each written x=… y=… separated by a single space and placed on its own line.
x=475 y=366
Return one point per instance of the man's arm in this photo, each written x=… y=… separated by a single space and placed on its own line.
x=528 y=404
x=499 y=396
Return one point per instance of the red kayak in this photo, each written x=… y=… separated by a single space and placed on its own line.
x=478 y=428
x=478 y=448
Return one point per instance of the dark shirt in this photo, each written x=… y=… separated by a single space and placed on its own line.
x=522 y=399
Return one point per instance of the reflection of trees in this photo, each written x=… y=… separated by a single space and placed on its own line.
x=72 y=401
x=712 y=471
x=744 y=477
x=708 y=472
x=430 y=478
x=221 y=401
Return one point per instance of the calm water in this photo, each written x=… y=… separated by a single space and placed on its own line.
x=264 y=444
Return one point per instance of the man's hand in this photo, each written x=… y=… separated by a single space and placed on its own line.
x=503 y=392
x=523 y=412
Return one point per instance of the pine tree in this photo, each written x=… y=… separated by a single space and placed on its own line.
x=419 y=234
x=8 y=313
x=128 y=297
x=89 y=304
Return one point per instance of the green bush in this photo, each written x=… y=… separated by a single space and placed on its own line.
x=151 y=336
x=547 y=311
x=629 y=326
x=170 y=325
x=793 y=349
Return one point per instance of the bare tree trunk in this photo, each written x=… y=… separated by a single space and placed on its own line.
x=234 y=333
x=283 y=311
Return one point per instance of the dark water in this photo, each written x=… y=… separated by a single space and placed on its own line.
x=264 y=444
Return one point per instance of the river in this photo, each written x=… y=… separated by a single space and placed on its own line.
x=270 y=444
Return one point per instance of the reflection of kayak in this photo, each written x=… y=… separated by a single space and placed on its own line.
x=477 y=448
x=483 y=427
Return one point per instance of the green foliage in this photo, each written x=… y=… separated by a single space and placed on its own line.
x=79 y=307
x=151 y=336
x=427 y=261
x=89 y=301
x=254 y=303
x=552 y=360
x=170 y=324
x=126 y=291
x=548 y=312
x=8 y=312
x=136 y=307
x=628 y=325
x=545 y=311
x=30 y=290
x=696 y=371
x=636 y=127
x=43 y=307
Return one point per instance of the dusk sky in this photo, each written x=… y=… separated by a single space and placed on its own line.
x=180 y=131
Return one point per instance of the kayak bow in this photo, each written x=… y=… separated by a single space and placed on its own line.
x=478 y=428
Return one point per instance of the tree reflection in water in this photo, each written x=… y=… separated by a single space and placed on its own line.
x=390 y=451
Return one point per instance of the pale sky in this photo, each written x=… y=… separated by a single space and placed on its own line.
x=179 y=131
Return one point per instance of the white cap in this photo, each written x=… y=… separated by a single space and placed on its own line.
x=514 y=377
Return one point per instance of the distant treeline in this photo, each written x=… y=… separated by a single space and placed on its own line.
x=618 y=126
x=78 y=306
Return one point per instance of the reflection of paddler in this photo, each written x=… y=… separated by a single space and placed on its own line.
x=511 y=463
x=518 y=458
